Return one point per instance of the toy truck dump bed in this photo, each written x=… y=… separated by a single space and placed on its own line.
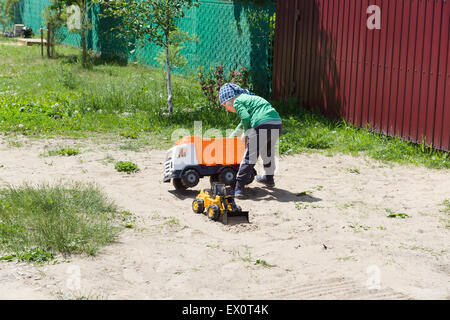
x=193 y=158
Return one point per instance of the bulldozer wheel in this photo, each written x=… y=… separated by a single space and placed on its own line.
x=213 y=212
x=178 y=185
x=198 y=205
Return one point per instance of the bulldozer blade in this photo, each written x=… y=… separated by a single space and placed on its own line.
x=232 y=218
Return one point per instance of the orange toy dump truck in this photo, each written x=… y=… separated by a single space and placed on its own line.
x=193 y=158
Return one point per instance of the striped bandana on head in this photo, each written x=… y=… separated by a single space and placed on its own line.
x=230 y=90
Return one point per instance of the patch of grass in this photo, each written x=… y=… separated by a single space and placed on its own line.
x=127 y=218
x=30 y=255
x=129 y=134
x=303 y=193
x=57 y=97
x=423 y=249
x=357 y=227
x=446 y=205
x=66 y=77
x=392 y=214
x=126 y=166
x=37 y=222
x=345 y=206
x=64 y=152
x=108 y=159
x=301 y=129
x=264 y=263
x=134 y=145
x=246 y=257
x=173 y=221
x=15 y=143
x=303 y=206
x=345 y=258
x=353 y=170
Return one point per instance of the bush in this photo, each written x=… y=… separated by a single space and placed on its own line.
x=211 y=82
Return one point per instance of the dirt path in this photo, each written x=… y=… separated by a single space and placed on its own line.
x=335 y=242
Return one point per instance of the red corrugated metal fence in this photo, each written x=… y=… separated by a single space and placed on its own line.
x=395 y=79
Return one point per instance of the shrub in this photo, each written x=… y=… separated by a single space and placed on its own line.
x=211 y=82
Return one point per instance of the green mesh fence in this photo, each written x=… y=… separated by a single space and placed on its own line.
x=233 y=33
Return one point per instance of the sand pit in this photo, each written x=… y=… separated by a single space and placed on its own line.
x=323 y=233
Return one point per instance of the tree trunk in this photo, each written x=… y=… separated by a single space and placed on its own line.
x=169 y=84
x=52 y=35
x=83 y=38
x=48 y=40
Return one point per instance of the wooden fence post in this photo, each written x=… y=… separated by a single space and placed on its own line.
x=42 y=41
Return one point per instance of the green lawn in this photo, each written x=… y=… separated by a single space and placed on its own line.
x=48 y=97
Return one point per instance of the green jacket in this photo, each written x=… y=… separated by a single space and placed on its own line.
x=253 y=111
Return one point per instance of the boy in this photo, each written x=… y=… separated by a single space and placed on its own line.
x=262 y=127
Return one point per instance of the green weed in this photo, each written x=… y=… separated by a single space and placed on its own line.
x=446 y=204
x=392 y=214
x=357 y=227
x=264 y=263
x=129 y=134
x=173 y=221
x=126 y=166
x=64 y=152
x=30 y=255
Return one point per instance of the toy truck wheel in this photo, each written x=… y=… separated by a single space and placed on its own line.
x=213 y=212
x=198 y=206
x=178 y=185
x=227 y=176
x=190 y=178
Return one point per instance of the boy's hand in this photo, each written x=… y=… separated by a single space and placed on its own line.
x=243 y=138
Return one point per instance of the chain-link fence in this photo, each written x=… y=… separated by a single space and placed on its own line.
x=233 y=33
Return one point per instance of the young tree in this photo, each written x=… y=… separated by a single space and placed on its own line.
x=85 y=25
x=177 y=40
x=55 y=16
x=150 y=21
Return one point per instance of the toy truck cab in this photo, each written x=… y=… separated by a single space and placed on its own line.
x=193 y=158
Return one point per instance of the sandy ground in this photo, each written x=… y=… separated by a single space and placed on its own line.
x=333 y=243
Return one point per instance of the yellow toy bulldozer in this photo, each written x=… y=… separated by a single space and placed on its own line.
x=219 y=206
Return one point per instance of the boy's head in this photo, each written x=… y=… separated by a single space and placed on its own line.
x=229 y=105
x=228 y=93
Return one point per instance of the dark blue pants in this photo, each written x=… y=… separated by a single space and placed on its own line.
x=261 y=141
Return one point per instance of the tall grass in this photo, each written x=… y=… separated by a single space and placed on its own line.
x=63 y=218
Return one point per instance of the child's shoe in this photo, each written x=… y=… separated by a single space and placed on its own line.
x=239 y=193
x=266 y=180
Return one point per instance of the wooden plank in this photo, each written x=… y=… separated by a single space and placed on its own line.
x=29 y=42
